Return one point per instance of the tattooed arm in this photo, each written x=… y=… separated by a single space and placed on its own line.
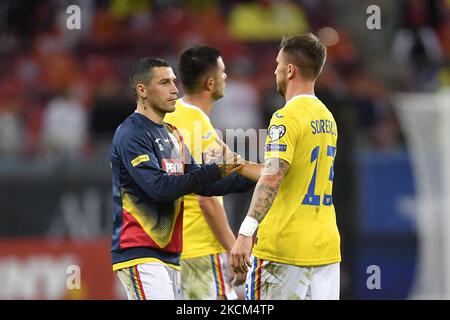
x=265 y=192
x=267 y=187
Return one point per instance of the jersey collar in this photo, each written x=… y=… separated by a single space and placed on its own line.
x=301 y=96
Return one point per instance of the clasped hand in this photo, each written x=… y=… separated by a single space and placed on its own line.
x=227 y=161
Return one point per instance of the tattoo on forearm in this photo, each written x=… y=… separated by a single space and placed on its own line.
x=264 y=197
x=267 y=188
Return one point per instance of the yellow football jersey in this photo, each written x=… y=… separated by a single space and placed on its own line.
x=199 y=135
x=300 y=227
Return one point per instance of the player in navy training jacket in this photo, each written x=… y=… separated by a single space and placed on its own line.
x=151 y=171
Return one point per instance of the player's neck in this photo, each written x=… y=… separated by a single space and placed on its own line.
x=150 y=113
x=299 y=87
x=200 y=100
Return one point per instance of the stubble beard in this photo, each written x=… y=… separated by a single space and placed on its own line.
x=281 y=88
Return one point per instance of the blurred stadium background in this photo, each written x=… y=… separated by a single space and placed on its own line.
x=63 y=92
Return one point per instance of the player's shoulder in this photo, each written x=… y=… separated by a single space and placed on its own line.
x=284 y=114
x=323 y=110
x=196 y=113
x=283 y=121
x=130 y=129
x=306 y=106
x=127 y=127
x=190 y=108
x=190 y=112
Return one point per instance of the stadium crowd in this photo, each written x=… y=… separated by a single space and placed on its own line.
x=63 y=91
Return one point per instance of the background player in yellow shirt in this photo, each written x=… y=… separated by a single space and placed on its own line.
x=207 y=236
x=297 y=249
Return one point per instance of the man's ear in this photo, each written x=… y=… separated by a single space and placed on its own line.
x=291 y=71
x=141 y=91
x=209 y=83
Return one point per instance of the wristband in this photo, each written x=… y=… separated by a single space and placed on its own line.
x=248 y=226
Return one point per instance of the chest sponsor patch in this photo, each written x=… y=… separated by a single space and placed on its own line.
x=173 y=166
x=275 y=147
x=140 y=159
x=276 y=132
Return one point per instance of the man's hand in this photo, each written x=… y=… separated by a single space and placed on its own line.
x=238 y=278
x=227 y=161
x=240 y=254
x=212 y=156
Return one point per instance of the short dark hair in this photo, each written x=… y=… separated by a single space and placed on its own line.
x=306 y=52
x=141 y=72
x=196 y=62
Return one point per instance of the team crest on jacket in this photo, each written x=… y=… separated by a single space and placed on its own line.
x=276 y=132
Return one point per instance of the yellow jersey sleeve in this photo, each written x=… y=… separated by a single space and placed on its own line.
x=282 y=136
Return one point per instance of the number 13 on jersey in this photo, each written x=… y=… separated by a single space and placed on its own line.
x=314 y=199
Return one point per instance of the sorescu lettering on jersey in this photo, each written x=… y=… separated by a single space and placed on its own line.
x=323 y=126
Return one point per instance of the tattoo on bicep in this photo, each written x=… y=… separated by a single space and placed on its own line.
x=267 y=187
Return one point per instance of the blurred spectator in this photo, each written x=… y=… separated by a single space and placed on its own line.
x=444 y=75
x=95 y=61
x=11 y=130
x=239 y=108
x=444 y=34
x=64 y=128
x=342 y=53
x=122 y=9
x=110 y=108
x=416 y=46
x=317 y=11
x=266 y=20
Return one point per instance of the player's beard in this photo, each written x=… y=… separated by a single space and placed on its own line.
x=169 y=107
x=281 y=86
x=163 y=107
x=218 y=93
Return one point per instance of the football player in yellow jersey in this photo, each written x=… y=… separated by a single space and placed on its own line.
x=297 y=248
x=207 y=236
